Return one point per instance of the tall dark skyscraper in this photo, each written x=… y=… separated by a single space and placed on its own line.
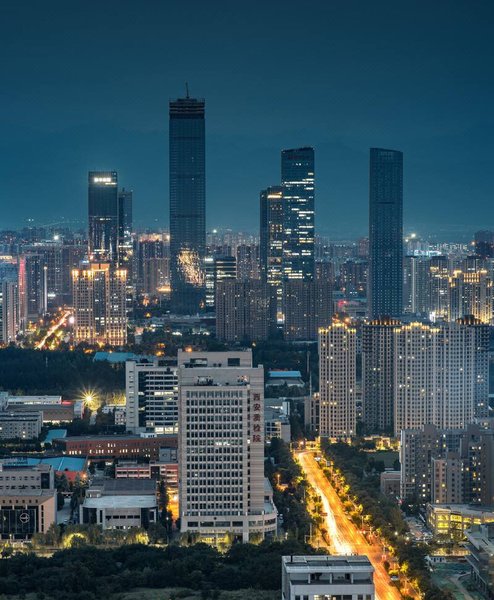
x=385 y=292
x=187 y=205
x=297 y=181
x=103 y=215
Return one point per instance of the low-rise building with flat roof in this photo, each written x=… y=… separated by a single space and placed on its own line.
x=276 y=424
x=50 y=413
x=20 y=425
x=116 y=446
x=33 y=400
x=18 y=475
x=452 y=520
x=120 y=504
x=288 y=378
x=327 y=577
x=70 y=466
x=157 y=470
x=26 y=512
x=481 y=557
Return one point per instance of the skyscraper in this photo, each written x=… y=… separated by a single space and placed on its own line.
x=297 y=181
x=385 y=294
x=271 y=242
x=187 y=204
x=103 y=215
x=271 y=235
x=125 y=228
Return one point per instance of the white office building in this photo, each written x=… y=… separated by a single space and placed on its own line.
x=327 y=578
x=151 y=389
x=221 y=447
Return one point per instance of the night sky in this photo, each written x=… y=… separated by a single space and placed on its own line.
x=85 y=85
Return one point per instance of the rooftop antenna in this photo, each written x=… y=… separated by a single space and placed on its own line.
x=187 y=90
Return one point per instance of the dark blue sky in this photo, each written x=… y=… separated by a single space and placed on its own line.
x=85 y=85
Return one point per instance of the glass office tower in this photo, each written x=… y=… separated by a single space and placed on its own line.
x=187 y=205
x=103 y=215
x=125 y=243
x=297 y=181
x=385 y=292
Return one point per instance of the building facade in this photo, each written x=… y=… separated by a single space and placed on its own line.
x=244 y=310
x=378 y=390
x=151 y=389
x=103 y=215
x=221 y=447
x=187 y=204
x=297 y=182
x=327 y=577
x=385 y=292
x=307 y=306
x=337 y=380
x=100 y=311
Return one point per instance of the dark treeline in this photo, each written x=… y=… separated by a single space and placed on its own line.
x=88 y=573
x=62 y=373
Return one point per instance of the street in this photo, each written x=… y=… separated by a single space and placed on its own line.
x=344 y=535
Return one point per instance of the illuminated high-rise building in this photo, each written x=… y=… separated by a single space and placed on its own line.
x=187 y=204
x=337 y=380
x=271 y=242
x=247 y=256
x=385 y=295
x=100 y=304
x=438 y=273
x=103 y=215
x=271 y=235
x=152 y=264
x=9 y=311
x=32 y=288
x=125 y=246
x=440 y=374
x=297 y=182
x=415 y=285
x=57 y=258
x=471 y=293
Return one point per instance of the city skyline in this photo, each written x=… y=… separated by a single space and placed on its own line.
x=436 y=115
